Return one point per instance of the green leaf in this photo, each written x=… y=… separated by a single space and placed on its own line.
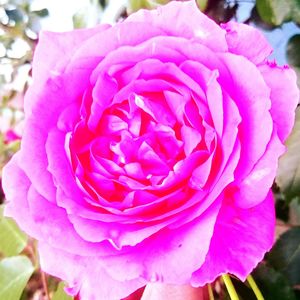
x=276 y=12
x=202 y=4
x=15 y=273
x=135 y=5
x=285 y=255
x=60 y=293
x=41 y=13
x=273 y=284
x=88 y=15
x=288 y=174
x=12 y=239
x=79 y=20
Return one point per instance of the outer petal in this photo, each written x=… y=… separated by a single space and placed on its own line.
x=284 y=96
x=198 y=27
x=240 y=240
x=36 y=128
x=85 y=274
x=60 y=168
x=170 y=256
x=61 y=46
x=241 y=39
x=122 y=34
x=253 y=103
x=35 y=166
x=36 y=221
x=12 y=177
x=254 y=188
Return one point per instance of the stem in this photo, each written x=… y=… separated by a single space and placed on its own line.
x=230 y=288
x=45 y=286
x=255 y=288
x=210 y=292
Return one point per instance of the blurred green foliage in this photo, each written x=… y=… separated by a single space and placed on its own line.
x=276 y=12
x=288 y=177
x=13 y=241
x=60 y=294
x=15 y=273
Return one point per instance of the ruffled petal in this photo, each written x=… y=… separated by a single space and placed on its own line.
x=85 y=275
x=253 y=104
x=12 y=176
x=199 y=27
x=169 y=256
x=236 y=246
x=241 y=39
x=284 y=96
x=62 y=47
x=36 y=221
x=255 y=187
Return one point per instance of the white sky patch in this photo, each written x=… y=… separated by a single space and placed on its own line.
x=60 y=13
x=113 y=9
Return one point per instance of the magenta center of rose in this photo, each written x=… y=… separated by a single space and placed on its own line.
x=138 y=147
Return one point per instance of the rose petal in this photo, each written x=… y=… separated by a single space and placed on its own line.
x=84 y=274
x=235 y=238
x=59 y=166
x=61 y=46
x=284 y=96
x=170 y=256
x=36 y=221
x=257 y=184
x=191 y=138
x=12 y=176
x=241 y=38
x=35 y=166
x=253 y=104
x=207 y=79
x=199 y=27
x=119 y=235
x=103 y=92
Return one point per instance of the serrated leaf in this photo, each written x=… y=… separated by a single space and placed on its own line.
x=15 y=273
x=60 y=294
x=288 y=174
x=276 y=12
x=272 y=284
x=12 y=239
x=285 y=255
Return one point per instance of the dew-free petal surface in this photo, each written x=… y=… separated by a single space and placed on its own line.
x=236 y=247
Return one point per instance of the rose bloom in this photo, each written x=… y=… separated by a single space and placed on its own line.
x=149 y=151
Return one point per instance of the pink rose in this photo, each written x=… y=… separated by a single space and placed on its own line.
x=10 y=136
x=149 y=150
